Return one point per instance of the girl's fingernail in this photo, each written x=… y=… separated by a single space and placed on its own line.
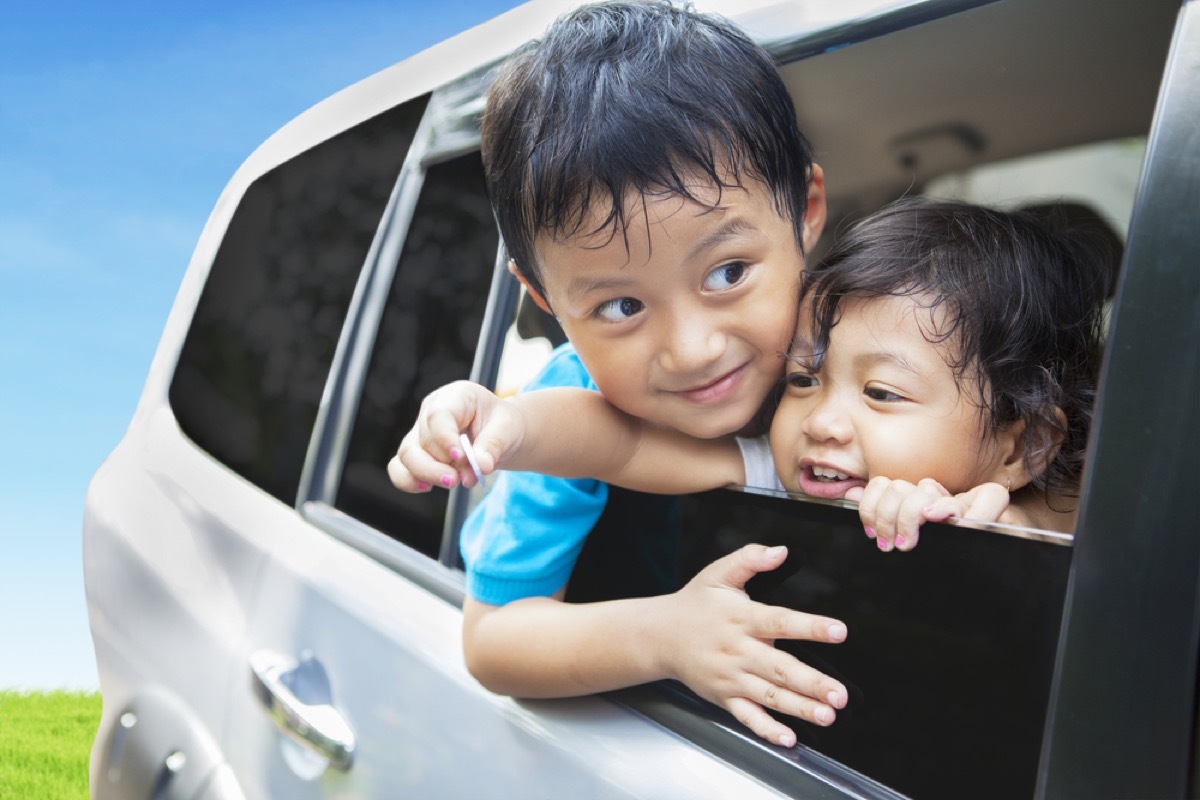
x=455 y=454
x=447 y=480
x=928 y=509
x=884 y=545
x=422 y=486
x=901 y=541
x=870 y=531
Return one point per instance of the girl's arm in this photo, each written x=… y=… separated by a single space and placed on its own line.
x=568 y=432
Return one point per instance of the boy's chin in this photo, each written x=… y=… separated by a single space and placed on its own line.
x=712 y=426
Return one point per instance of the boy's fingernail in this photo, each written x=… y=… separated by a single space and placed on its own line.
x=774 y=552
x=836 y=700
x=870 y=531
x=836 y=631
x=901 y=541
x=787 y=739
x=824 y=715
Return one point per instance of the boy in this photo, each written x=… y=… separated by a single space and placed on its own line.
x=656 y=196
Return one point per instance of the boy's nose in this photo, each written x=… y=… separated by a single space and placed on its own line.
x=692 y=346
x=828 y=422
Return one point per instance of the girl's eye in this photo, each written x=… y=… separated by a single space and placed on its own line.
x=620 y=309
x=800 y=380
x=881 y=395
x=725 y=276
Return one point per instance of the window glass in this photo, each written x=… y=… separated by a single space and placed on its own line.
x=426 y=338
x=254 y=364
x=951 y=646
x=1102 y=177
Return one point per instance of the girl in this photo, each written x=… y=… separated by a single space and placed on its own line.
x=944 y=364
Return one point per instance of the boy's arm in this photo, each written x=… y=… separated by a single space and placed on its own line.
x=568 y=432
x=710 y=635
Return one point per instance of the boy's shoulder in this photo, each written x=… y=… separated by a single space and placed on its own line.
x=562 y=369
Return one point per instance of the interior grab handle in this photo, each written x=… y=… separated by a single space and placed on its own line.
x=297 y=697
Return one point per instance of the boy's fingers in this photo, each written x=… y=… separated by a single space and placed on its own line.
x=776 y=697
x=760 y=722
x=440 y=432
x=735 y=569
x=815 y=687
x=404 y=480
x=777 y=622
x=424 y=467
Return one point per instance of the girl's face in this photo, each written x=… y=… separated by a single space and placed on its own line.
x=884 y=402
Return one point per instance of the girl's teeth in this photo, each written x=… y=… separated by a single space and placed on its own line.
x=828 y=474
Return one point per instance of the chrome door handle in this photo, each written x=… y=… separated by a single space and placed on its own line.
x=278 y=681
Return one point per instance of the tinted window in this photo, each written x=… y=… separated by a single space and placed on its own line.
x=254 y=363
x=427 y=338
x=950 y=649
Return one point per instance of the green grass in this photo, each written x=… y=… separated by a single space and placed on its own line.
x=45 y=738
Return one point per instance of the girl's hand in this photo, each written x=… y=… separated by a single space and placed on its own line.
x=430 y=453
x=721 y=644
x=893 y=512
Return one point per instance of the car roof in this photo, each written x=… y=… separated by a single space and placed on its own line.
x=884 y=115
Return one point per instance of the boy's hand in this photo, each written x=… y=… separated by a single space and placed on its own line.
x=893 y=512
x=430 y=453
x=721 y=644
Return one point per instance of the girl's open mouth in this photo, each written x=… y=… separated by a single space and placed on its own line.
x=827 y=482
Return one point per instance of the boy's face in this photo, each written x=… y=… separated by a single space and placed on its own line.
x=682 y=321
x=883 y=403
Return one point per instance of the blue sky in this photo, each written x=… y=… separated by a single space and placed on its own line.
x=119 y=125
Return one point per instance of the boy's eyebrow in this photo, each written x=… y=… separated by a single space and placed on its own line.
x=729 y=229
x=585 y=286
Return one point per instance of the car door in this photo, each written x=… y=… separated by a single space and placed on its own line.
x=352 y=671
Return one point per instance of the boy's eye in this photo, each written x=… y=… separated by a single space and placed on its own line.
x=619 y=309
x=725 y=276
x=881 y=395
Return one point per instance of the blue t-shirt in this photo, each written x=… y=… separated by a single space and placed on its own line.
x=524 y=537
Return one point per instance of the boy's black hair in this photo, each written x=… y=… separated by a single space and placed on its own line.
x=1021 y=300
x=630 y=96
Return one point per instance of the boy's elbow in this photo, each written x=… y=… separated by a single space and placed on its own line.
x=483 y=659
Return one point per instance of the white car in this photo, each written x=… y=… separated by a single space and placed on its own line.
x=273 y=620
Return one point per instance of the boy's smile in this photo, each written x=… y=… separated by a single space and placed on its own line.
x=883 y=402
x=682 y=316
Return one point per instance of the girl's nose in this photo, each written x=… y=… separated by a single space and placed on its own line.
x=829 y=422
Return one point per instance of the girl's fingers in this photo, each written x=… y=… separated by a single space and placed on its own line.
x=985 y=503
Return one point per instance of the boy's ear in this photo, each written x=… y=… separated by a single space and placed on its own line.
x=1015 y=471
x=534 y=294
x=814 y=210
